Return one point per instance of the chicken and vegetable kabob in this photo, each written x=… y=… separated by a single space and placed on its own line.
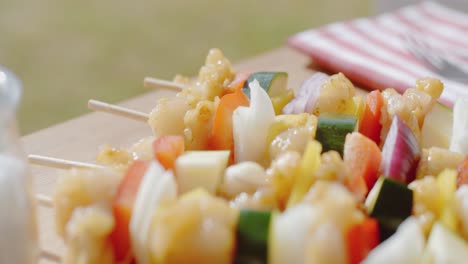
x=242 y=169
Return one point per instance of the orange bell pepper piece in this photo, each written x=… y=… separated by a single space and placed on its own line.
x=362 y=156
x=222 y=131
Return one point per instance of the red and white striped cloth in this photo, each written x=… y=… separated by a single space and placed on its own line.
x=372 y=51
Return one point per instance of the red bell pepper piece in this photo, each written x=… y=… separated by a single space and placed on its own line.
x=361 y=239
x=462 y=177
x=370 y=125
x=167 y=149
x=122 y=206
x=237 y=84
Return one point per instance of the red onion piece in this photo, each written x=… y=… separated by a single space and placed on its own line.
x=400 y=153
x=307 y=96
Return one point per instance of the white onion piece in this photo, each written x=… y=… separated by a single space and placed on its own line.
x=326 y=245
x=459 y=142
x=156 y=187
x=251 y=124
x=290 y=232
x=240 y=117
x=308 y=94
x=400 y=152
x=445 y=246
x=405 y=246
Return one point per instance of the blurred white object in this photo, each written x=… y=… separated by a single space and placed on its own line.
x=406 y=246
x=390 y=5
x=18 y=239
x=459 y=141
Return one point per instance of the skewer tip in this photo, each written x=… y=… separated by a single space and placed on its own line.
x=60 y=163
x=150 y=82
x=117 y=110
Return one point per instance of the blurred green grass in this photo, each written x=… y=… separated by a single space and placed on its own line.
x=66 y=52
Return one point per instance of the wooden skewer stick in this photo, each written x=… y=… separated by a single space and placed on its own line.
x=117 y=110
x=44 y=200
x=150 y=82
x=61 y=163
x=49 y=256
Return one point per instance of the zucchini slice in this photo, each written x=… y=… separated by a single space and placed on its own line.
x=274 y=83
x=332 y=130
x=252 y=236
x=390 y=202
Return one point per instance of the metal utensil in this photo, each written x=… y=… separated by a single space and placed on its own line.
x=436 y=62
